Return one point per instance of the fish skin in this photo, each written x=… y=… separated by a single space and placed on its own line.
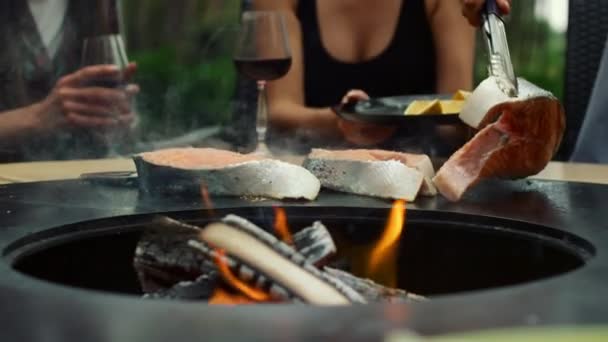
x=385 y=178
x=256 y=177
x=420 y=162
x=270 y=178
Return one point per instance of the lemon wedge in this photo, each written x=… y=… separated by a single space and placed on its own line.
x=461 y=95
x=420 y=107
x=451 y=106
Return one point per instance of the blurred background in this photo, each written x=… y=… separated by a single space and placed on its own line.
x=189 y=82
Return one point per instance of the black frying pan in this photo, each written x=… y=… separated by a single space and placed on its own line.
x=390 y=110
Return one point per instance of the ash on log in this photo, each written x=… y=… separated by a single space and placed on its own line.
x=372 y=291
x=280 y=264
x=315 y=243
x=302 y=275
x=202 y=288
x=162 y=258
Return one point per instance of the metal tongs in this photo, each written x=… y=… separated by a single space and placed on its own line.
x=500 y=66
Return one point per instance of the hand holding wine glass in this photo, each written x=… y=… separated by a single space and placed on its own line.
x=97 y=96
x=74 y=104
x=111 y=95
x=109 y=50
x=262 y=54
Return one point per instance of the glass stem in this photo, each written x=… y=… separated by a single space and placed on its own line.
x=261 y=125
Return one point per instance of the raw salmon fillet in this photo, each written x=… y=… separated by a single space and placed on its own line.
x=223 y=173
x=375 y=173
x=517 y=137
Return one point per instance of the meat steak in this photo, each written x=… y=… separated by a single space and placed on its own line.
x=223 y=173
x=517 y=137
x=375 y=173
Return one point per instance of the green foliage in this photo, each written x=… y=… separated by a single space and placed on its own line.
x=185 y=68
x=182 y=97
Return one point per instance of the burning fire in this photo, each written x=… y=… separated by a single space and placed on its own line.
x=281 y=227
x=252 y=293
x=223 y=297
x=382 y=264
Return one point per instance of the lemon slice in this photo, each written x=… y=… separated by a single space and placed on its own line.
x=451 y=106
x=461 y=95
x=420 y=107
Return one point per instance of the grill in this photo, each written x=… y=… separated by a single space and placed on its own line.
x=505 y=255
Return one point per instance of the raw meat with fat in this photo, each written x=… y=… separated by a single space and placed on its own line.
x=223 y=173
x=375 y=173
x=517 y=137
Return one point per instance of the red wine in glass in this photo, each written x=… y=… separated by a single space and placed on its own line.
x=262 y=53
x=106 y=83
x=263 y=69
x=105 y=49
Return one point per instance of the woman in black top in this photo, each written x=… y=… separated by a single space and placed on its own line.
x=383 y=48
x=46 y=109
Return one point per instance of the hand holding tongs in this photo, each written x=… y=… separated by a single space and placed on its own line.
x=500 y=66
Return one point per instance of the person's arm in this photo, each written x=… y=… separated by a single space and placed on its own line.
x=287 y=109
x=454 y=45
x=20 y=123
x=71 y=104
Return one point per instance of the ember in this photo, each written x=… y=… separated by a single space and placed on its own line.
x=235 y=282
x=223 y=297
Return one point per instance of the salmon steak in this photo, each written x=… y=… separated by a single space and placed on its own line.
x=375 y=173
x=220 y=172
x=517 y=137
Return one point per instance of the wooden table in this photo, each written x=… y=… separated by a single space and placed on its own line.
x=57 y=170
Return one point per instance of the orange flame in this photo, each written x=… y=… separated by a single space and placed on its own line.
x=281 y=227
x=382 y=265
x=223 y=297
x=236 y=283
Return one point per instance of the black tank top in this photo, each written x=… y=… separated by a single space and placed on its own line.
x=406 y=66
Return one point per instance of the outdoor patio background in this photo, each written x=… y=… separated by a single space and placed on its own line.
x=188 y=79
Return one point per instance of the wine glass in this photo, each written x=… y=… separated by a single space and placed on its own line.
x=107 y=49
x=262 y=53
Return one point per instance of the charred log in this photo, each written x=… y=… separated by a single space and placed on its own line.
x=202 y=288
x=315 y=244
x=174 y=260
x=372 y=291
x=278 y=262
x=163 y=259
